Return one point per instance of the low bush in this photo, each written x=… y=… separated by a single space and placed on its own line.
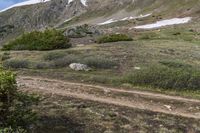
x=53 y=56
x=174 y=64
x=36 y=40
x=64 y=62
x=16 y=64
x=166 y=77
x=5 y=56
x=113 y=38
x=15 y=106
x=42 y=65
x=101 y=63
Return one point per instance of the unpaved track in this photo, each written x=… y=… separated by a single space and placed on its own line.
x=160 y=103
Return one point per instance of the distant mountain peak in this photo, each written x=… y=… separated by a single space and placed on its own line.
x=29 y=2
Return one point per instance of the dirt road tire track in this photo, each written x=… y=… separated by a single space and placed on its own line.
x=147 y=100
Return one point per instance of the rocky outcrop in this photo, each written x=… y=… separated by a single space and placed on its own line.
x=79 y=67
x=82 y=31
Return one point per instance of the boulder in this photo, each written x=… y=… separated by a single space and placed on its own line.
x=79 y=67
x=81 y=31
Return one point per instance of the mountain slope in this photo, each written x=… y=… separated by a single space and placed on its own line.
x=65 y=13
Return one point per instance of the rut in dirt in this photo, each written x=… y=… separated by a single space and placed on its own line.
x=134 y=99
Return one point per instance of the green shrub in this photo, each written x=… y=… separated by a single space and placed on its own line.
x=149 y=36
x=174 y=64
x=145 y=37
x=53 y=56
x=42 y=65
x=36 y=40
x=167 y=78
x=113 y=38
x=5 y=56
x=16 y=64
x=101 y=63
x=10 y=130
x=16 y=114
x=64 y=62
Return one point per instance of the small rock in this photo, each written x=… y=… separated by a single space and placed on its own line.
x=168 y=107
x=190 y=108
x=79 y=67
x=80 y=45
x=137 y=68
x=106 y=90
x=197 y=107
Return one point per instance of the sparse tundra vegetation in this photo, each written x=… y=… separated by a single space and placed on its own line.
x=74 y=75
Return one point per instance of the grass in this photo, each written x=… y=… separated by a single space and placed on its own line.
x=113 y=38
x=84 y=116
x=168 y=57
x=16 y=64
x=166 y=78
x=175 y=64
x=5 y=56
x=64 y=62
x=112 y=62
x=178 y=33
x=175 y=54
x=53 y=56
x=99 y=63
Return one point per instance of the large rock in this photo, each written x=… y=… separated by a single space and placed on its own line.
x=79 y=67
x=82 y=31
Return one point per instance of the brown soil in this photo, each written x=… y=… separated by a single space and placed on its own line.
x=160 y=103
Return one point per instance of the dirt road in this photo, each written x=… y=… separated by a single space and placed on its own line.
x=161 y=103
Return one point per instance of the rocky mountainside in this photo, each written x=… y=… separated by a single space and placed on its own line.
x=65 y=13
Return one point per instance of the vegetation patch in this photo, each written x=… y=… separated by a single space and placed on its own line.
x=64 y=62
x=16 y=114
x=113 y=38
x=99 y=62
x=16 y=64
x=5 y=56
x=53 y=56
x=174 y=64
x=166 y=77
x=42 y=65
x=37 y=40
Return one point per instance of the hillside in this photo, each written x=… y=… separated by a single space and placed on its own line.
x=63 y=13
x=105 y=66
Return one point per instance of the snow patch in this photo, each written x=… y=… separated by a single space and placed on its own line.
x=69 y=1
x=68 y=19
x=131 y=17
x=123 y=19
x=84 y=2
x=167 y=22
x=29 y=2
x=108 y=22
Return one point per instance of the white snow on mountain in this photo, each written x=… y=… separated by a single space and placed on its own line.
x=67 y=20
x=84 y=2
x=162 y=23
x=69 y=1
x=122 y=19
x=131 y=17
x=108 y=22
x=29 y=2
